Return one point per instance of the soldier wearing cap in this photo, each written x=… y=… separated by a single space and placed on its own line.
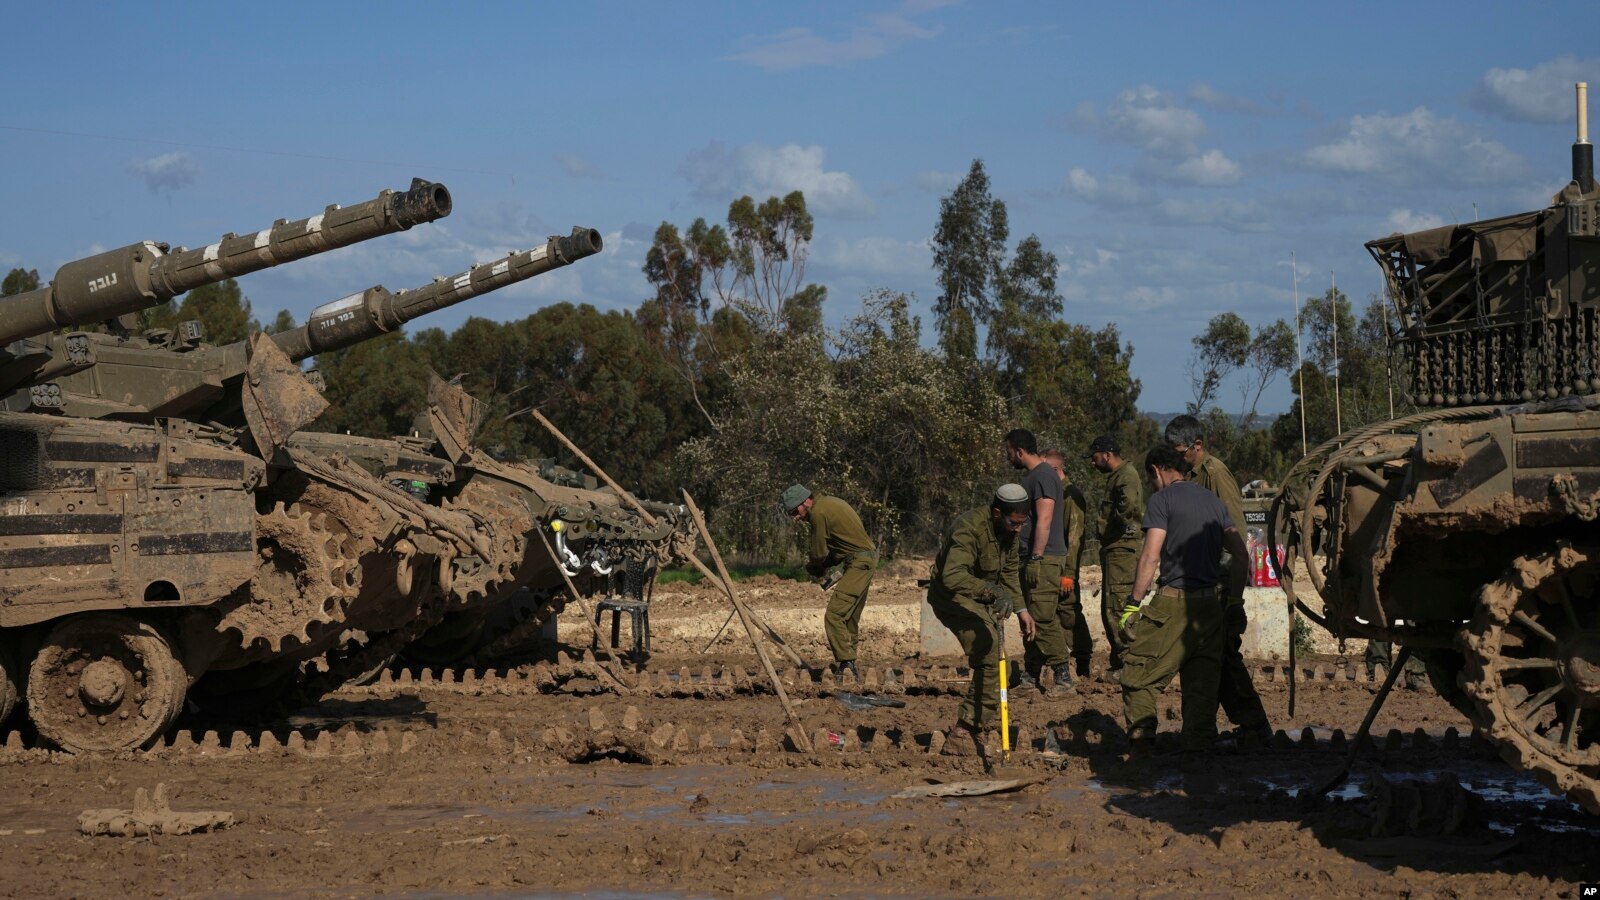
x=1179 y=632
x=1121 y=511
x=1236 y=691
x=837 y=539
x=973 y=590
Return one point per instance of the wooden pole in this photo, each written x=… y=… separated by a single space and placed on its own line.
x=749 y=626
x=638 y=507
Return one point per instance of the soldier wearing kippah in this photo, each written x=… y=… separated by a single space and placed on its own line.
x=837 y=539
x=973 y=590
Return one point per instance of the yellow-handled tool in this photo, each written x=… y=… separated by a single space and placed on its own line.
x=1005 y=706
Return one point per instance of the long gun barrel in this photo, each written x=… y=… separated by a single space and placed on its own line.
x=143 y=275
x=376 y=311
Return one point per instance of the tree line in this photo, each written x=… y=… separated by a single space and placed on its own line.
x=725 y=379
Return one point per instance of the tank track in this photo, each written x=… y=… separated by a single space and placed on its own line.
x=713 y=682
x=599 y=724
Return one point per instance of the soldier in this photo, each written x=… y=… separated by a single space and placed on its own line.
x=1042 y=547
x=1121 y=510
x=973 y=589
x=1186 y=529
x=837 y=538
x=1236 y=691
x=1074 y=624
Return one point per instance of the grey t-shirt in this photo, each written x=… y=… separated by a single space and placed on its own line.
x=1041 y=481
x=1194 y=520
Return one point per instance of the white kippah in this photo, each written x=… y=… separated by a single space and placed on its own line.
x=1011 y=493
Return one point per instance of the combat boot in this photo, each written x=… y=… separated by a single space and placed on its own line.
x=1063 y=686
x=1023 y=676
x=839 y=668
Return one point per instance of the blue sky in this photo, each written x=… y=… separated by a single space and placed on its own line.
x=1172 y=156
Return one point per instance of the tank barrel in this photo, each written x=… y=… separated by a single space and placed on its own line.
x=145 y=274
x=1582 y=150
x=375 y=311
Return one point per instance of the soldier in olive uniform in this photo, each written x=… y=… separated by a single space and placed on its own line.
x=837 y=538
x=1236 y=691
x=1074 y=624
x=1043 y=554
x=973 y=590
x=1186 y=530
x=1121 y=511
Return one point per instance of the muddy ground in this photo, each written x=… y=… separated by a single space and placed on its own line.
x=431 y=785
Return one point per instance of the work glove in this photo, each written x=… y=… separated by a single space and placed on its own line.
x=1067 y=584
x=1233 y=618
x=997 y=598
x=1129 y=610
x=817 y=568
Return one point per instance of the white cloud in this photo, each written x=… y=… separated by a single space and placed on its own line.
x=875 y=36
x=166 y=173
x=878 y=255
x=1541 y=94
x=1085 y=263
x=1212 y=167
x=722 y=175
x=1406 y=221
x=578 y=167
x=1152 y=119
x=1417 y=146
x=1110 y=191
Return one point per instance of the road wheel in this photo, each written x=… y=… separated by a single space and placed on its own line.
x=105 y=681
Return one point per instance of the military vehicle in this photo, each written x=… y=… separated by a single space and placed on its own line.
x=167 y=524
x=1467 y=532
x=117 y=538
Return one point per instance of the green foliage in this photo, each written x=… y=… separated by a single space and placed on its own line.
x=19 y=281
x=1301 y=635
x=969 y=247
x=222 y=310
x=375 y=388
x=886 y=425
x=283 y=321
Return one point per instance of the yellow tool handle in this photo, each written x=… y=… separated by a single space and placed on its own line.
x=1005 y=712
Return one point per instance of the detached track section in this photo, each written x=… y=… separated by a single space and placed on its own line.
x=711 y=682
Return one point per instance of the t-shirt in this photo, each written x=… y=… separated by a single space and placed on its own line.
x=1041 y=481
x=1194 y=520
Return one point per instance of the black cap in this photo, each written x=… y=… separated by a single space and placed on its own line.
x=1105 y=443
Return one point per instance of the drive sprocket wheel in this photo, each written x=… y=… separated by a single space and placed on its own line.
x=105 y=681
x=306 y=576
x=1533 y=668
